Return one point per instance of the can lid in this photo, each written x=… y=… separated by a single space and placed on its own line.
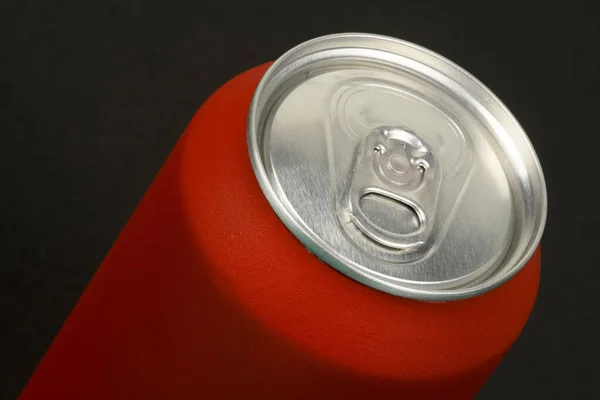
x=396 y=167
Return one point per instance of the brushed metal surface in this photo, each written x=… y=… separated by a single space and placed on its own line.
x=455 y=206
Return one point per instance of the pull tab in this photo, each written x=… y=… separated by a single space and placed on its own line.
x=395 y=164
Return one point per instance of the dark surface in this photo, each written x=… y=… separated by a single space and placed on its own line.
x=93 y=96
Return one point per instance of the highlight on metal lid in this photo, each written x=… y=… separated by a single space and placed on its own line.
x=396 y=167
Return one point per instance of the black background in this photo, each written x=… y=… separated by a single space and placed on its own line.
x=93 y=96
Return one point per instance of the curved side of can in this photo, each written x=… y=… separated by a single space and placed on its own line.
x=205 y=294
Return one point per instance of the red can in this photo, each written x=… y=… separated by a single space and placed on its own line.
x=359 y=219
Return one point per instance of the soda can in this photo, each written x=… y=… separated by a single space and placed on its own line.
x=359 y=219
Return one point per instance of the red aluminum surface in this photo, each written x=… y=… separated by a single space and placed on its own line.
x=206 y=295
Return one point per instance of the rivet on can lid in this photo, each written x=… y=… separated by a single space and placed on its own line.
x=396 y=167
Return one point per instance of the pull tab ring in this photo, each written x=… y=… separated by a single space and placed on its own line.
x=395 y=163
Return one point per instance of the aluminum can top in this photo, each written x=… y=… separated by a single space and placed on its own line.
x=396 y=167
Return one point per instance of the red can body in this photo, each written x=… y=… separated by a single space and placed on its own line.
x=206 y=295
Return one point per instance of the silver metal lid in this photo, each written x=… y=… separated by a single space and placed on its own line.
x=396 y=167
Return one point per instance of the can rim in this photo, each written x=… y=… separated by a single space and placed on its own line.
x=312 y=244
